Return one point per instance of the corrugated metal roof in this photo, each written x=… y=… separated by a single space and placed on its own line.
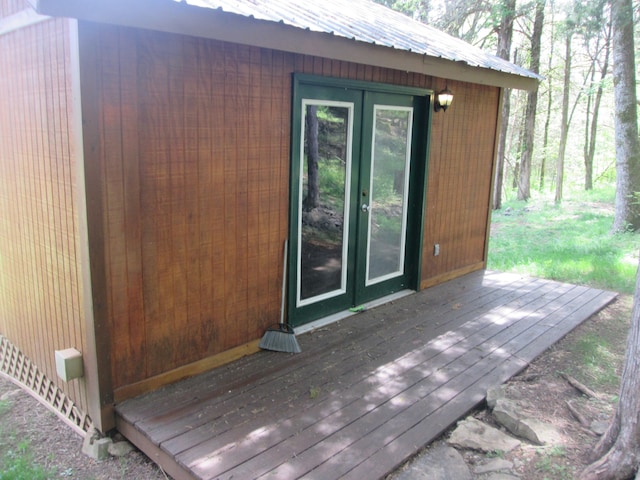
x=368 y=22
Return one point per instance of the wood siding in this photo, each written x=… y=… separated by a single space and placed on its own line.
x=192 y=142
x=459 y=183
x=41 y=293
x=11 y=7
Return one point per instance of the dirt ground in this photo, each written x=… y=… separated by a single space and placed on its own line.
x=55 y=447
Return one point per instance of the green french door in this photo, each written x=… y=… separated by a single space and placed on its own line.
x=358 y=162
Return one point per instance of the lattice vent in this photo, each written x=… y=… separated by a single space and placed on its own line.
x=18 y=368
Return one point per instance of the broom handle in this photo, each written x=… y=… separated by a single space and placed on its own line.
x=284 y=281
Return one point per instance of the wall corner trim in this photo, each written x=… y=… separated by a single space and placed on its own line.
x=96 y=357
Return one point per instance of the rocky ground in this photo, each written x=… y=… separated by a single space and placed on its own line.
x=541 y=393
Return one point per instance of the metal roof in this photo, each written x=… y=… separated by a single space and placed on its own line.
x=356 y=31
x=368 y=22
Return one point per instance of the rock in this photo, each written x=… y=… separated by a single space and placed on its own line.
x=120 y=449
x=95 y=446
x=438 y=463
x=495 y=393
x=543 y=433
x=508 y=414
x=494 y=465
x=474 y=434
x=599 y=427
x=322 y=218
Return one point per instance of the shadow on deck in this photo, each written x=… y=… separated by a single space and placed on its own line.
x=366 y=393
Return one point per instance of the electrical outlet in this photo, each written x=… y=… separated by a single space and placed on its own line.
x=436 y=250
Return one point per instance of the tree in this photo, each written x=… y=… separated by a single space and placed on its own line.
x=547 y=122
x=595 y=25
x=312 y=199
x=617 y=454
x=524 y=181
x=627 y=203
x=505 y=35
x=464 y=18
x=564 y=122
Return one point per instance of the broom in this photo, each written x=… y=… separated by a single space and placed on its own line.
x=281 y=338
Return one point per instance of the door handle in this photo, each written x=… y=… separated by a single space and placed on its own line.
x=365 y=208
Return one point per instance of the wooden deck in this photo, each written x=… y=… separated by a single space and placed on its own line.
x=366 y=393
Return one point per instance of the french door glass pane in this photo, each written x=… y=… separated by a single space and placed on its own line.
x=325 y=173
x=391 y=152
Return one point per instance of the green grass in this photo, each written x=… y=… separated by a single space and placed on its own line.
x=18 y=464
x=16 y=459
x=551 y=466
x=570 y=242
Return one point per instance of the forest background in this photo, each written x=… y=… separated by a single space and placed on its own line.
x=561 y=138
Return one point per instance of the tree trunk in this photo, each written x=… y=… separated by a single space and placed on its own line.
x=545 y=142
x=502 y=142
x=627 y=206
x=505 y=34
x=564 y=127
x=524 y=179
x=618 y=450
x=591 y=132
x=313 y=192
x=588 y=161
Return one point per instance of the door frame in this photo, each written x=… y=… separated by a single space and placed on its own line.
x=418 y=177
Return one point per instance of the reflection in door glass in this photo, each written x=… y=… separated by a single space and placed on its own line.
x=325 y=173
x=391 y=151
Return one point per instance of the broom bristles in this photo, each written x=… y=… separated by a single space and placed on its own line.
x=280 y=339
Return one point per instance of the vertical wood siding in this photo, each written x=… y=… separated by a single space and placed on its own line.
x=11 y=7
x=41 y=293
x=195 y=197
x=459 y=182
x=194 y=154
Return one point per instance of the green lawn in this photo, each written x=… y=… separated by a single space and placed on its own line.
x=570 y=242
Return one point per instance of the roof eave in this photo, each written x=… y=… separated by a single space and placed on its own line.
x=175 y=17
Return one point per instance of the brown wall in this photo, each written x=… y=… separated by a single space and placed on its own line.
x=41 y=294
x=459 y=183
x=192 y=142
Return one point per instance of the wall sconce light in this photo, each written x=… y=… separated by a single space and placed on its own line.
x=443 y=100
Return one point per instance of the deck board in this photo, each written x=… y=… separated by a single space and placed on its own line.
x=367 y=392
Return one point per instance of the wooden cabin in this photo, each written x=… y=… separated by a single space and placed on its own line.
x=155 y=156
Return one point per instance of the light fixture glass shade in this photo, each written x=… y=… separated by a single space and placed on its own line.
x=445 y=97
